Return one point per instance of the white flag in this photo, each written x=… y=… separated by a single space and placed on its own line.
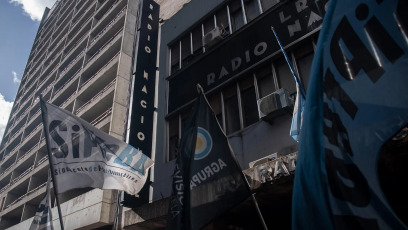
x=84 y=156
x=43 y=218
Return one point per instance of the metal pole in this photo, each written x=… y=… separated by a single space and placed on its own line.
x=259 y=212
x=50 y=162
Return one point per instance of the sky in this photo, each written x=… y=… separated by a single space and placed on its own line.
x=19 y=21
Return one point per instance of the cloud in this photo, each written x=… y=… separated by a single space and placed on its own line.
x=5 y=109
x=15 y=78
x=34 y=8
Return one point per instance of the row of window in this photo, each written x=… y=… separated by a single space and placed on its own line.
x=228 y=19
x=235 y=105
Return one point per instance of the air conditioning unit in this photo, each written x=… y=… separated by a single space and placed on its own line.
x=212 y=37
x=275 y=104
x=263 y=160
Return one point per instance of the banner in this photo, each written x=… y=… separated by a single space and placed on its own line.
x=357 y=100
x=207 y=181
x=83 y=156
x=43 y=217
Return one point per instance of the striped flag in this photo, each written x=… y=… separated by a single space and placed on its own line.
x=300 y=98
x=43 y=218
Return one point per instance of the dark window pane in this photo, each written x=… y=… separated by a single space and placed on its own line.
x=215 y=102
x=175 y=57
x=285 y=77
x=249 y=106
x=209 y=25
x=197 y=40
x=251 y=9
x=305 y=65
x=222 y=21
x=186 y=49
x=267 y=4
x=266 y=85
x=237 y=18
x=173 y=138
x=231 y=110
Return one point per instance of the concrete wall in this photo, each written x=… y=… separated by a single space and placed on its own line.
x=92 y=209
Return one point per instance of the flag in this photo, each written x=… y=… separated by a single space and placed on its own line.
x=296 y=124
x=83 y=156
x=43 y=218
x=207 y=180
x=357 y=100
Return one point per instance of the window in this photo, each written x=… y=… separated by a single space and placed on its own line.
x=248 y=101
x=285 y=77
x=175 y=57
x=215 y=102
x=232 y=119
x=251 y=9
x=173 y=125
x=266 y=83
x=222 y=21
x=197 y=35
x=209 y=25
x=267 y=4
x=237 y=18
x=186 y=49
x=304 y=57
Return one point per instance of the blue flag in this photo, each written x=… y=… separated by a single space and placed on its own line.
x=357 y=100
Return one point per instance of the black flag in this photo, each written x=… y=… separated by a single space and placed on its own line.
x=207 y=180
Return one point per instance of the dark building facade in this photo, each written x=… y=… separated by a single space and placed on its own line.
x=228 y=48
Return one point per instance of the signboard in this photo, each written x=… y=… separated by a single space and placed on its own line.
x=142 y=107
x=141 y=123
x=291 y=21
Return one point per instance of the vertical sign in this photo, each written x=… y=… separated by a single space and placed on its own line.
x=142 y=110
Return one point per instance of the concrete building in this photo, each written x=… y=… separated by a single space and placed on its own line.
x=81 y=60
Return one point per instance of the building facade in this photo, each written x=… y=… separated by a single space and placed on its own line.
x=228 y=48
x=81 y=60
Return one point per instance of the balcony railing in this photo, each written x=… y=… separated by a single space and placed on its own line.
x=96 y=96
x=93 y=76
x=106 y=27
x=27 y=153
x=67 y=82
x=25 y=173
x=76 y=43
x=42 y=160
x=102 y=116
x=104 y=45
x=6 y=170
x=72 y=62
x=34 y=130
x=63 y=103
x=4 y=188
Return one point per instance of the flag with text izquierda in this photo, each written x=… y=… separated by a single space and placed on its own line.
x=357 y=100
x=83 y=156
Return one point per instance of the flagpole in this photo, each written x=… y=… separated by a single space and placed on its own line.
x=51 y=165
x=259 y=211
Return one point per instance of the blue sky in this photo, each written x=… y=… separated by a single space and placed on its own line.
x=19 y=21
